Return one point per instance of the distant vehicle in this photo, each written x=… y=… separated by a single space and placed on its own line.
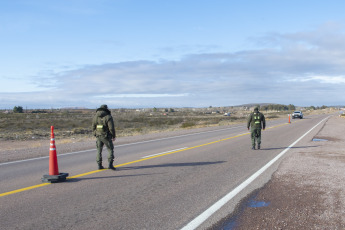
x=227 y=114
x=297 y=114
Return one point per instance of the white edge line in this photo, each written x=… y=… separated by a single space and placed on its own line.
x=216 y=206
x=38 y=158
x=164 y=152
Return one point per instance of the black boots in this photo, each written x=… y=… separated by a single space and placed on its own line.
x=253 y=147
x=100 y=166
x=111 y=166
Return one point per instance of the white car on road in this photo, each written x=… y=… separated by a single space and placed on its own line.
x=297 y=114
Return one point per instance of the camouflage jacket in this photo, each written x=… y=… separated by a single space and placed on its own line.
x=103 y=124
x=256 y=120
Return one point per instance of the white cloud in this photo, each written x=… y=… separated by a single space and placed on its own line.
x=141 y=95
x=322 y=79
x=299 y=68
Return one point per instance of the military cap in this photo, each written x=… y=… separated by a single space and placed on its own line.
x=104 y=107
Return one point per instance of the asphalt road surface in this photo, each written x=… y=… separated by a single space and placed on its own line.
x=180 y=182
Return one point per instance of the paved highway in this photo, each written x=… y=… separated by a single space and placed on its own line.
x=180 y=182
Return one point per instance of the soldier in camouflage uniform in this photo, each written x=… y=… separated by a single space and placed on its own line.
x=256 y=121
x=104 y=130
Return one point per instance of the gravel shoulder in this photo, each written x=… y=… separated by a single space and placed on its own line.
x=306 y=192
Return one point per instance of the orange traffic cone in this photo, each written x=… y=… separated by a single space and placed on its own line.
x=54 y=175
x=53 y=165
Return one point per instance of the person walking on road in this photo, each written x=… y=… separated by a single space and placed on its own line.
x=256 y=121
x=104 y=130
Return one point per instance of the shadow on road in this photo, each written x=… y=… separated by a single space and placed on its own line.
x=300 y=147
x=106 y=177
x=191 y=164
x=144 y=167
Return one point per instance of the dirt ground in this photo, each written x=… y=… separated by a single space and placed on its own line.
x=306 y=192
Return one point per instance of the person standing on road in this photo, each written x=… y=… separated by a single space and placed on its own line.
x=256 y=121
x=104 y=130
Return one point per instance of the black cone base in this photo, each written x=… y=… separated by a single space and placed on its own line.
x=55 y=178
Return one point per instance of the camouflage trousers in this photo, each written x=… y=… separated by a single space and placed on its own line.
x=255 y=134
x=101 y=141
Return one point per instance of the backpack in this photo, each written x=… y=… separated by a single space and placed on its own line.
x=101 y=127
x=257 y=119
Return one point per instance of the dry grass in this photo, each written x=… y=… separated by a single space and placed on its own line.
x=76 y=124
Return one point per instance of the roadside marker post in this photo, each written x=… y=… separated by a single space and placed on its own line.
x=54 y=175
x=289 y=118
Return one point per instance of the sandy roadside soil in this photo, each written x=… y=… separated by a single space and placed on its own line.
x=306 y=192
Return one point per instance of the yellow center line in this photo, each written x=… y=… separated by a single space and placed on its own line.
x=131 y=162
x=24 y=189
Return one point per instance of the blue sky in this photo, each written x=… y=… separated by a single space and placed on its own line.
x=151 y=53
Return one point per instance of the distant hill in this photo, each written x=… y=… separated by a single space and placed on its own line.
x=74 y=108
x=255 y=104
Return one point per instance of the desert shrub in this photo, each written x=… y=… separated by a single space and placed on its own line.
x=18 y=109
x=69 y=123
x=81 y=131
x=139 y=130
x=174 y=121
x=39 y=111
x=188 y=124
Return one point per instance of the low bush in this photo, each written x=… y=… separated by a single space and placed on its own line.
x=187 y=124
x=67 y=123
